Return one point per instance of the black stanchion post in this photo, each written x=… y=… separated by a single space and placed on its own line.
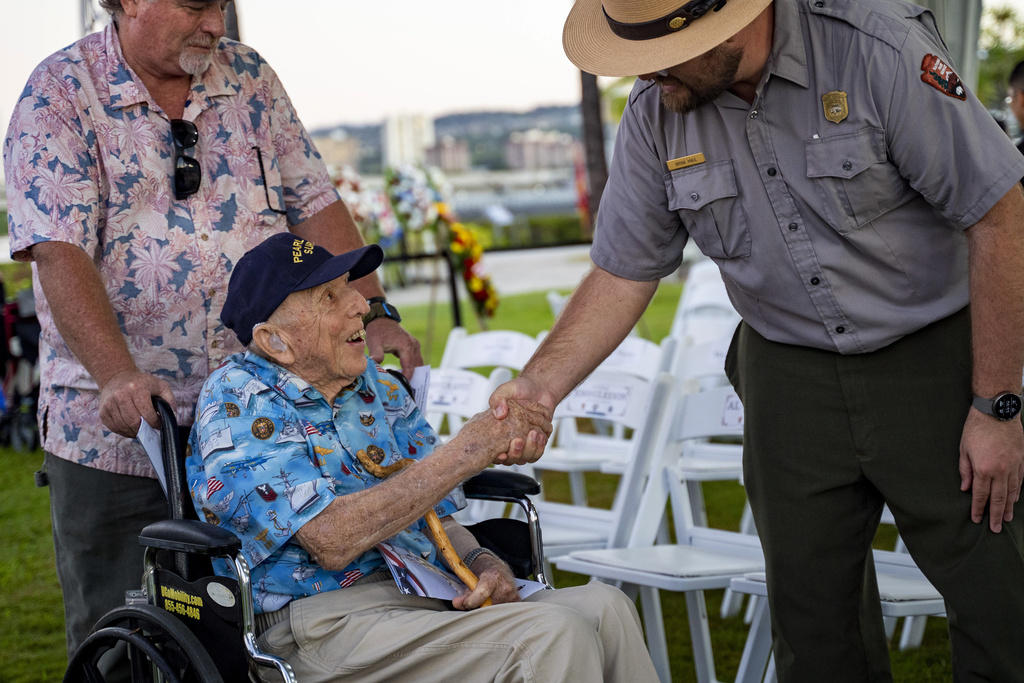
x=456 y=309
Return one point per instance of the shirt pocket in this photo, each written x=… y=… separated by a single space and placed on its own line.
x=270 y=179
x=707 y=201
x=854 y=177
x=259 y=188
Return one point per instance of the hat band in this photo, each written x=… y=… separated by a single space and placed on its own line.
x=670 y=23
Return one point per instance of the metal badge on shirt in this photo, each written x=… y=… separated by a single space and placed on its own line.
x=836 y=106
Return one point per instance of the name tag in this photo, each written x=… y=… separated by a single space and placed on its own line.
x=683 y=162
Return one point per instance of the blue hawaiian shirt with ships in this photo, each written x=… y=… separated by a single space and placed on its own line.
x=267 y=454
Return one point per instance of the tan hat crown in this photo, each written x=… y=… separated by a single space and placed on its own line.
x=631 y=12
x=632 y=37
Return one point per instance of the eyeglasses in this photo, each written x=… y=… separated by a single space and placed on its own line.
x=187 y=173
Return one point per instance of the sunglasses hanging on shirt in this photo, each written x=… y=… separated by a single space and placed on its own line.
x=187 y=173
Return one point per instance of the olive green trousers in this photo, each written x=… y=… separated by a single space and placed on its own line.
x=829 y=439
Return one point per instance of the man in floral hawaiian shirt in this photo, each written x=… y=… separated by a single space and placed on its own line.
x=141 y=163
x=298 y=448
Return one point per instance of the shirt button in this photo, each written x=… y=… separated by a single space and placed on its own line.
x=212 y=293
x=204 y=237
x=815 y=281
x=753 y=114
x=793 y=226
x=694 y=196
x=214 y=344
x=772 y=172
x=840 y=329
x=847 y=165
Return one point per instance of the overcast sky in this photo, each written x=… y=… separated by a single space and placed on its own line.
x=355 y=62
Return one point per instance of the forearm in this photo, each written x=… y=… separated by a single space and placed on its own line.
x=81 y=309
x=334 y=229
x=354 y=523
x=996 y=245
x=601 y=312
x=358 y=521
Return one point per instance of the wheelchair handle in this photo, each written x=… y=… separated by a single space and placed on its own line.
x=174 y=465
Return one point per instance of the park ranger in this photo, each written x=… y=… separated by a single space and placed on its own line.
x=865 y=212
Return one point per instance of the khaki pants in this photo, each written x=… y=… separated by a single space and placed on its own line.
x=828 y=440
x=374 y=633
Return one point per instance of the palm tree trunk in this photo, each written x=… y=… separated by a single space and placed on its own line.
x=593 y=145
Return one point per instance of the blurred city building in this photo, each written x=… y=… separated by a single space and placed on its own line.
x=536 y=149
x=449 y=155
x=338 y=148
x=406 y=138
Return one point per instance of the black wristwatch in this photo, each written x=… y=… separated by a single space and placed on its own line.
x=380 y=308
x=1005 y=406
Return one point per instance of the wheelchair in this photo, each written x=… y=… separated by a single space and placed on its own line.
x=187 y=625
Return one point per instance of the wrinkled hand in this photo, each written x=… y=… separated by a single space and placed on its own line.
x=384 y=335
x=992 y=466
x=529 y=394
x=494 y=581
x=127 y=399
x=526 y=450
x=521 y=434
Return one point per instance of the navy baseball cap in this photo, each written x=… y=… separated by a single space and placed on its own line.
x=281 y=264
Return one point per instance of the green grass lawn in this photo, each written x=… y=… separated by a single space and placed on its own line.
x=31 y=615
x=31 y=627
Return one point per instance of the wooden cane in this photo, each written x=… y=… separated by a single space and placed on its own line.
x=444 y=545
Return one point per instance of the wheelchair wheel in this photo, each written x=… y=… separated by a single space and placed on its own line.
x=156 y=641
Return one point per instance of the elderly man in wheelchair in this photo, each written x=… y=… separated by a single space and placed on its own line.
x=312 y=456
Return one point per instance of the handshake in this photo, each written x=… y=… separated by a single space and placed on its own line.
x=515 y=430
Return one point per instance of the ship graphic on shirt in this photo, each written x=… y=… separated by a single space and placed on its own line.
x=300 y=496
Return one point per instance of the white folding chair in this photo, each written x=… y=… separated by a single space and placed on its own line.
x=505 y=350
x=568 y=528
x=493 y=348
x=903 y=589
x=616 y=400
x=700 y=367
x=701 y=558
x=607 y=445
x=912 y=632
x=454 y=396
x=704 y=312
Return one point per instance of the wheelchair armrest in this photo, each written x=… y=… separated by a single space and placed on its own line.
x=190 y=536
x=502 y=483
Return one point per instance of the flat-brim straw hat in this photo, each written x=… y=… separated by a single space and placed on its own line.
x=631 y=37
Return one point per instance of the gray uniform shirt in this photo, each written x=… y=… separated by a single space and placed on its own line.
x=835 y=204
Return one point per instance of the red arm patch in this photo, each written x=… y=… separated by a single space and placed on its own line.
x=941 y=76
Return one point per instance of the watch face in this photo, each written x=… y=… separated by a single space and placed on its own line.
x=1006 y=406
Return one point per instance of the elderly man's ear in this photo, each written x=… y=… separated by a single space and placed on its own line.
x=273 y=346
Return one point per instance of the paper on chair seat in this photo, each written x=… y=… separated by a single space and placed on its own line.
x=671 y=560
